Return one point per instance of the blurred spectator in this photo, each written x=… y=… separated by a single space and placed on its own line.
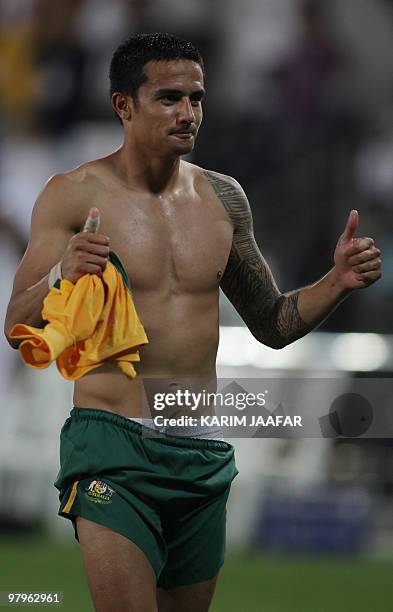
x=307 y=76
x=16 y=62
x=42 y=69
x=59 y=65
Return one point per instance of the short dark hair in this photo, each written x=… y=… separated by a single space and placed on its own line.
x=126 y=71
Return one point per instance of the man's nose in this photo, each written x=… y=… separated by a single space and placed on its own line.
x=186 y=111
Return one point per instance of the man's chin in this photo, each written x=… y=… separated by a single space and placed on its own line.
x=182 y=148
x=182 y=145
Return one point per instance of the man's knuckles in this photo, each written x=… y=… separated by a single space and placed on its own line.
x=369 y=277
x=364 y=242
x=85 y=260
x=372 y=264
x=90 y=249
x=358 y=245
x=359 y=252
x=364 y=256
x=88 y=237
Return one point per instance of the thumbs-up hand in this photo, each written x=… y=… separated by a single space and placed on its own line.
x=357 y=260
x=87 y=252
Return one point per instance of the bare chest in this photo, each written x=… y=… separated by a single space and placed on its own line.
x=181 y=243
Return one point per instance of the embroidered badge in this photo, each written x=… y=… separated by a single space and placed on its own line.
x=99 y=492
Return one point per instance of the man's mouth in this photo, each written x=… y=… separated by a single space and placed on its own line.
x=183 y=134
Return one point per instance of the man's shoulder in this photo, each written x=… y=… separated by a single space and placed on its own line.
x=215 y=178
x=230 y=193
x=68 y=195
x=81 y=178
x=226 y=188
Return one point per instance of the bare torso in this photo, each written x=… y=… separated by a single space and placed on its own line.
x=174 y=249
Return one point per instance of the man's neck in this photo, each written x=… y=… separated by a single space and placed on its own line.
x=141 y=170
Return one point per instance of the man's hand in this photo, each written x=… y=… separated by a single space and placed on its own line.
x=357 y=260
x=87 y=252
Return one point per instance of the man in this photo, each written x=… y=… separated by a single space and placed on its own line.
x=181 y=232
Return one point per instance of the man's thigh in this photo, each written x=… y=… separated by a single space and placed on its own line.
x=193 y=598
x=119 y=574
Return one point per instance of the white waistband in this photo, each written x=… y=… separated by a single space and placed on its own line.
x=204 y=432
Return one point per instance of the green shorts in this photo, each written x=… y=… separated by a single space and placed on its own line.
x=166 y=494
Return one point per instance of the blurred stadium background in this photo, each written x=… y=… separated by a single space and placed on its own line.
x=300 y=111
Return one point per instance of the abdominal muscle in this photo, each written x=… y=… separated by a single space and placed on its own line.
x=183 y=340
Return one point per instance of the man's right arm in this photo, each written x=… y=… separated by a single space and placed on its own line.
x=274 y=318
x=57 y=216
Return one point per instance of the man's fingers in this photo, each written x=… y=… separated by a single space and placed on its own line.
x=95 y=249
x=94 y=238
x=93 y=243
x=368 y=266
x=351 y=226
x=358 y=245
x=369 y=277
x=363 y=256
x=90 y=268
x=92 y=223
x=90 y=258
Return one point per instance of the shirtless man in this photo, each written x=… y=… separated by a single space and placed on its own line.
x=182 y=232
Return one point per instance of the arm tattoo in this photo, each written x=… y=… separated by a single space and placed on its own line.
x=273 y=318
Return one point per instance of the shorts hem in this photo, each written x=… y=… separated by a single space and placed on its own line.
x=168 y=583
x=73 y=516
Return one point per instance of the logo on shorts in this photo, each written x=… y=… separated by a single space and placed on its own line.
x=99 y=492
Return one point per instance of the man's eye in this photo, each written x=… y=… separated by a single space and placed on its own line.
x=169 y=100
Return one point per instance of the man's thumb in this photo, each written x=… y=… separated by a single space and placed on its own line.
x=351 y=226
x=93 y=221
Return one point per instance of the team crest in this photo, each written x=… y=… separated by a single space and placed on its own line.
x=99 y=492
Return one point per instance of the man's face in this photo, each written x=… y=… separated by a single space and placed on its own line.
x=168 y=112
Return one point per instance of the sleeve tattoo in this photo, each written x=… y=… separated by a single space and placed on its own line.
x=273 y=318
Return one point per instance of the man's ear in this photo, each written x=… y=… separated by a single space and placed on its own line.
x=122 y=106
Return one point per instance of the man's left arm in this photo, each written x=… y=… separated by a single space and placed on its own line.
x=274 y=318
